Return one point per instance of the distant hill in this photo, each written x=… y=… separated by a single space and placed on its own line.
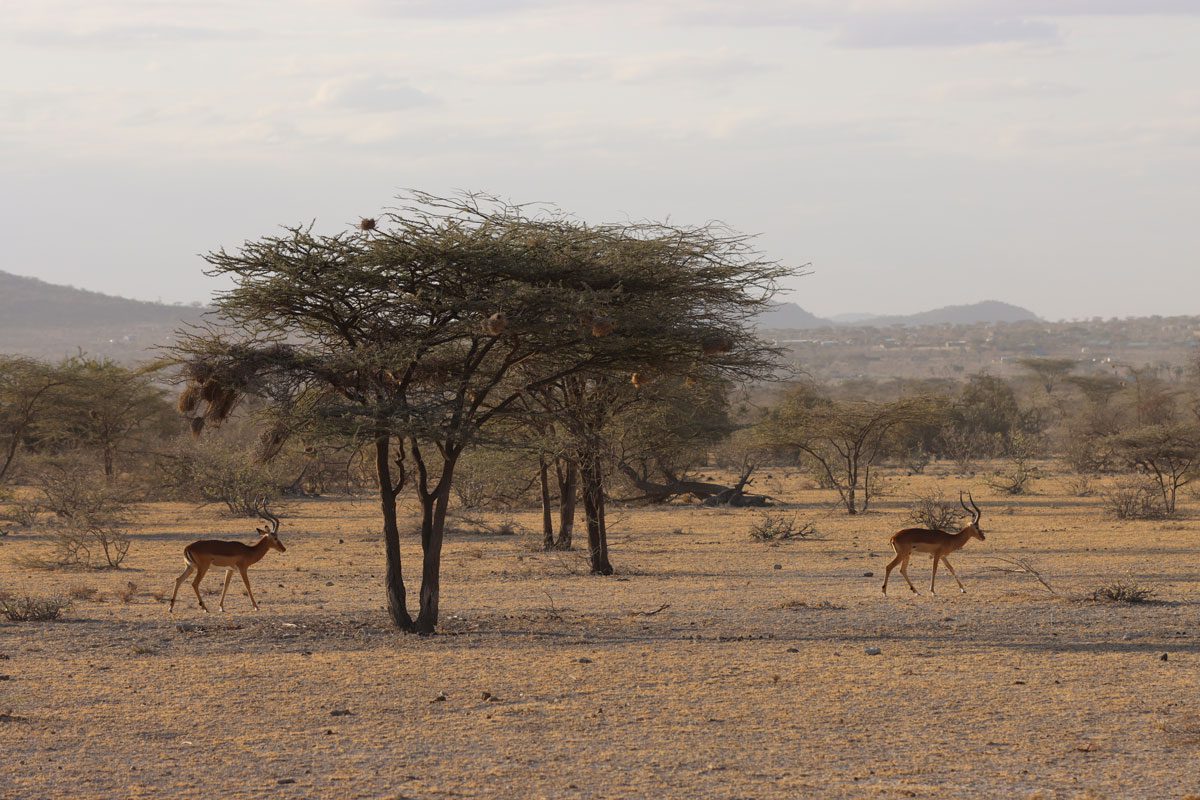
x=51 y=321
x=986 y=311
x=790 y=316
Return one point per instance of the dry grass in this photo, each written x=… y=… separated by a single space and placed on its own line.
x=699 y=670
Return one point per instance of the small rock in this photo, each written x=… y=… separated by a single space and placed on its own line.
x=872 y=651
x=329 y=731
x=1018 y=683
x=441 y=698
x=340 y=712
x=779 y=566
x=284 y=781
x=1163 y=657
x=793 y=649
x=584 y=660
x=868 y=574
x=341 y=541
x=329 y=583
x=5 y=677
x=487 y=696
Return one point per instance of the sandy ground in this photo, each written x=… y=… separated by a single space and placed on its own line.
x=752 y=682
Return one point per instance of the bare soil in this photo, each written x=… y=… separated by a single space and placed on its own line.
x=711 y=665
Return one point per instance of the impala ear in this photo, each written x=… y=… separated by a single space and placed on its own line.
x=263 y=531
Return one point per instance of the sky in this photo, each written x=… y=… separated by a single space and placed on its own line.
x=915 y=153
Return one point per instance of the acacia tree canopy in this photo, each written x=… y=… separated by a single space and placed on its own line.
x=424 y=332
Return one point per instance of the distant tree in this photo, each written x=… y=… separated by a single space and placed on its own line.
x=105 y=406
x=843 y=439
x=27 y=394
x=1169 y=454
x=1050 y=372
x=425 y=331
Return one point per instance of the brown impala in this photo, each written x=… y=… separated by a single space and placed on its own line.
x=205 y=553
x=939 y=543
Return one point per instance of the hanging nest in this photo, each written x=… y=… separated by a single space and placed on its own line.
x=366 y=224
x=220 y=408
x=638 y=379
x=189 y=398
x=496 y=324
x=603 y=326
x=716 y=345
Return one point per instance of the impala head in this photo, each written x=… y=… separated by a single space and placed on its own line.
x=272 y=533
x=975 y=513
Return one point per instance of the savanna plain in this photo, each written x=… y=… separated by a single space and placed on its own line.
x=710 y=665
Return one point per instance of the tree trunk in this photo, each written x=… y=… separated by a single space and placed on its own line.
x=593 y=508
x=547 y=510
x=394 y=575
x=433 y=527
x=568 y=481
x=108 y=462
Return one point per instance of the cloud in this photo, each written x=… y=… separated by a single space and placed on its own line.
x=371 y=93
x=922 y=23
x=1016 y=89
x=130 y=36
x=721 y=65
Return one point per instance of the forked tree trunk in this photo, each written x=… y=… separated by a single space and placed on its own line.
x=394 y=575
x=433 y=527
x=593 y=508
x=568 y=480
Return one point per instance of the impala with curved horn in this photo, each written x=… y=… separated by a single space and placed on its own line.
x=939 y=543
x=234 y=555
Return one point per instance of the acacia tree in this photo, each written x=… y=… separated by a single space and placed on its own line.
x=1170 y=454
x=424 y=333
x=27 y=389
x=843 y=439
x=104 y=406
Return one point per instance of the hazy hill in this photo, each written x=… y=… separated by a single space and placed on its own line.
x=790 y=316
x=51 y=321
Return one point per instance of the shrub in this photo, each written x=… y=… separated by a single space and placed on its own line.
x=81 y=496
x=1081 y=485
x=1135 y=498
x=1123 y=592
x=34 y=609
x=81 y=591
x=934 y=512
x=211 y=472
x=780 y=527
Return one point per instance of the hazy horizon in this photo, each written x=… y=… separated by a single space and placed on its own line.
x=918 y=153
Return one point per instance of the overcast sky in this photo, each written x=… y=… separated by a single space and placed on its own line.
x=917 y=152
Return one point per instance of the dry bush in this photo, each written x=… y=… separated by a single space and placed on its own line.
x=1081 y=485
x=934 y=511
x=1122 y=592
x=1135 y=498
x=780 y=527
x=212 y=472
x=34 y=609
x=82 y=591
x=490 y=478
x=81 y=496
x=127 y=592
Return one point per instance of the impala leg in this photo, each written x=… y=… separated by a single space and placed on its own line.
x=200 y=570
x=904 y=572
x=887 y=573
x=933 y=576
x=179 y=582
x=246 y=580
x=228 y=575
x=961 y=588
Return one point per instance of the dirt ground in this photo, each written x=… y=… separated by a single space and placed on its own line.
x=711 y=665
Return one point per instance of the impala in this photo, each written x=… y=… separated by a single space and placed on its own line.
x=234 y=555
x=939 y=543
